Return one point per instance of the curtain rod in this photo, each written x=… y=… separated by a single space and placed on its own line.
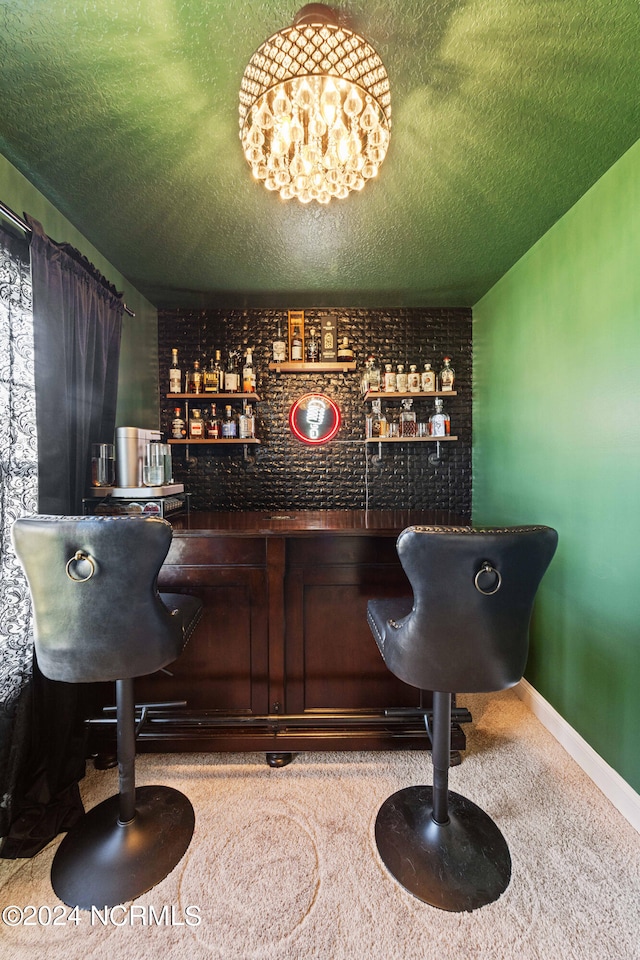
x=8 y=213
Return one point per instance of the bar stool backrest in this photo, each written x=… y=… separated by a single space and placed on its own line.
x=473 y=594
x=93 y=581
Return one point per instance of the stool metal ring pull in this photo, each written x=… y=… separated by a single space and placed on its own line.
x=487 y=568
x=79 y=555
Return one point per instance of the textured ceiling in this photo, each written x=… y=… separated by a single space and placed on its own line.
x=124 y=113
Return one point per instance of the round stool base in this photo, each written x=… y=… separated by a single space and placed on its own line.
x=461 y=865
x=101 y=862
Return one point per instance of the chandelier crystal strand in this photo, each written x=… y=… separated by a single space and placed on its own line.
x=315 y=110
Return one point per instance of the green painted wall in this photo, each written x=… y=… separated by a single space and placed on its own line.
x=557 y=441
x=138 y=399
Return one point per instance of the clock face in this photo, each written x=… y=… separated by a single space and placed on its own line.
x=314 y=418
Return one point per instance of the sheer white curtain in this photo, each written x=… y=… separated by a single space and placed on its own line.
x=18 y=495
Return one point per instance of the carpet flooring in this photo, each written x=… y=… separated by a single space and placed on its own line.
x=283 y=863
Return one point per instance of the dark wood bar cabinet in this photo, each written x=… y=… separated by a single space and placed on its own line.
x=283 y=659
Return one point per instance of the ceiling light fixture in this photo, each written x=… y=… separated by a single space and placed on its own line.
x=315 y=109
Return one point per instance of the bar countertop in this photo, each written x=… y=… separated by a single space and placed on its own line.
x=301 y=523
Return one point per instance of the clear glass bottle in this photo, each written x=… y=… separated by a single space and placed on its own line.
x=408 y=421
x=178 y=426
x=194 y=378
x=212 y=425
x=439 y=422
x=175 y=373
x=196 y=425
x=313 y=347
x=210 y=378
x=248 y=373
x=447 y=375
x=296 y=344
x=389 y=379
x=428 y=379
x=229 y=428
x=279 y=347
x=401 y=379
x=246 y=423
x=231 y=377
x=413 y=379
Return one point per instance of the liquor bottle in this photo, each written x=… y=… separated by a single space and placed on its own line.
x=229 y=428
x=313 y=347
x=248 y=373
x=345 y=352
x=194 y=379
x=178 y=426
x=231 y=377
x=246 y=423
x=217 y=366
x=401 y=379
x=439 y=422
x=296 y=344
x=279 y=347
x=428 y=379
x=447 y=376
x=389 y=379
x=210 y=378
x=374 y=375
x=196 y=425
x=408 y=424
x=413 y=379
x=175 y=374
x=212 y=425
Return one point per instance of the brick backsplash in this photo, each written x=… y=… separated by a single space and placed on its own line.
x=283 y=474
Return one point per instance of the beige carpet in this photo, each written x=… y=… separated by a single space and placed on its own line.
x=283 y=863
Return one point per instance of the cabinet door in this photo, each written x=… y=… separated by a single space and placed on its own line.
x=224 y=665
x=332 y=660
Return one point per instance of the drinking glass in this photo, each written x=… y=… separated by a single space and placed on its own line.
x=153 y=467
x=102 y=465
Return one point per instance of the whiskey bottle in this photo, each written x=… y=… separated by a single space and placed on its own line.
x=447 y=376
x=231 y=377
x=439 y=422
x=389 y=379
x=217 y=366
x=413 y=379
x=401 y=379
x=279 y=347
x=178 y=426
x=212 y=425
x=374 y=375
x=313 y=347
x=196 y=425
x=428 y=379
x=194 y=379
x=296 y=344
x=248 y=373
x=345 y=352
x=175 y=374
x=210 y=378
x=408 y=424
x=229 y=429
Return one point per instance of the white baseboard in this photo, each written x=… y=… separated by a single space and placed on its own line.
x=615 y=788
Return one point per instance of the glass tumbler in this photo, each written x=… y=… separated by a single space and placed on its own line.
x=153 y=466
x=103 y=465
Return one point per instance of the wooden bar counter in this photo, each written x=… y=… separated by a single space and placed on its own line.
x=283 y=659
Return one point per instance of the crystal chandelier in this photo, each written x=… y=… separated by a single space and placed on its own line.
x=315 y=109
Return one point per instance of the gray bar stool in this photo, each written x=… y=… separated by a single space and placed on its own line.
x=466 y=629
x=98 y=616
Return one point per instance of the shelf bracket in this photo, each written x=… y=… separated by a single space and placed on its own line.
x=436 y=457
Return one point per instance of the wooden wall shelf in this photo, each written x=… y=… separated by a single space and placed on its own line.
x=388 y=395
x=299 y=366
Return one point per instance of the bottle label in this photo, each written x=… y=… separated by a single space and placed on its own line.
x=196 y=429
x=228 y=429
x=175 y=381
x=296 y=350
x=279 y=351
x=428 y=381
x=231 y=382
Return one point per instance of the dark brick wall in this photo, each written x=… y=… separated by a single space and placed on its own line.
x=344 y=474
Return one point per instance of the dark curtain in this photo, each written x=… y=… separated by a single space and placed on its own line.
x=77 y=323
x=77 y=319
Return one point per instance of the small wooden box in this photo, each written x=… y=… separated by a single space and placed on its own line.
x=329 y=340
x=296 y=319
